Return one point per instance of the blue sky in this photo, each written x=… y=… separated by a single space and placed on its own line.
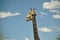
x=15 y=27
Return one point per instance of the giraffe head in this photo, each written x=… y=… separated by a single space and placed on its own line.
x=30 y=14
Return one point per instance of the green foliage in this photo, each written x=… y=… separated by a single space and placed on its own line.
x=58 y=38
x=1 y=36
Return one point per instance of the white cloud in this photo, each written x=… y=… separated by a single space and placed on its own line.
x=42 y=14
x=13 y=39
x=45 y=29
x=55 y=11
x=57 y=16
x=52 y=5
x=7 y=14
x=9 y=39
x=26 y=38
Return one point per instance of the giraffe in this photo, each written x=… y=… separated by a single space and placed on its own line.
x=32 y=16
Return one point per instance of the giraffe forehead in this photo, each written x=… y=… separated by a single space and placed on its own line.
x=31 y=12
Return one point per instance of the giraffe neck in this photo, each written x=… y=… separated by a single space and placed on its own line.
x=36 y=37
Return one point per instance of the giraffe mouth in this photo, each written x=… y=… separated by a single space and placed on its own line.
x=28 y=19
